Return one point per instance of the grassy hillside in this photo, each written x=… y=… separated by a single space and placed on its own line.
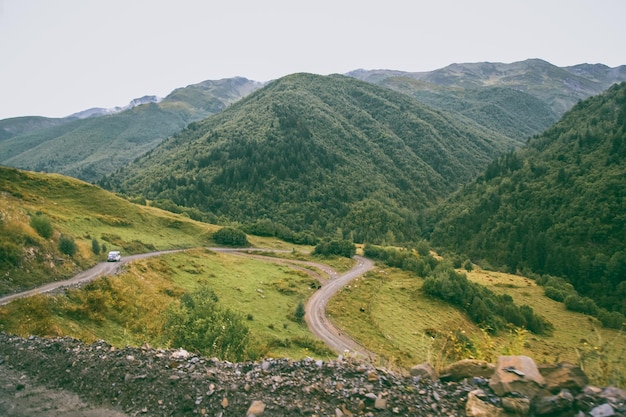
x=556 y=207
x=388 y=313
x=92 y=147
x=317 y=153
x=82 y=212
x=140 y=304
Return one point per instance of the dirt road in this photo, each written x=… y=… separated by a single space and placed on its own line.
x=315 y=308
x=101 y=269
x=321 y=325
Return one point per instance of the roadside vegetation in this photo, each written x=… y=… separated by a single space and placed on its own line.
x=389 y=311
x=217 y=304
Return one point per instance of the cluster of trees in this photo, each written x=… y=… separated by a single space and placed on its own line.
x=418 y=261
x=494 y=312
x=489 y=310
x=266 y=227
x=339 y=247
x=229 y=236
x=560 y=290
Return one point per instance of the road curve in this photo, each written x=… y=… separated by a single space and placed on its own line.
x=320 y=324
x=315 y=309
x=101 y=269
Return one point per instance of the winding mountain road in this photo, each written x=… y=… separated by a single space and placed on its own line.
x=101 y=269
x=315 y=309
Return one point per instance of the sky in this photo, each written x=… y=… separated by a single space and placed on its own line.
x=58 y=57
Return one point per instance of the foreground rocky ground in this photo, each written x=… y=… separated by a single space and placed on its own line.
x=64 y=377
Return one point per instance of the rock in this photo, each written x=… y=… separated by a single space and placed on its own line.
x=476 y=407
x=380 y=403
x=563 y=376
x=516 y=374
x=372 y=376
x=553 y=404
x=517 y=406
x=424 y=371
x=604 y=410
x=467 y=368
x=256 y=408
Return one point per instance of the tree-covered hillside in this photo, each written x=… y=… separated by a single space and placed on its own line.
x=556 y=207
x=318 y=153
x=92 y=147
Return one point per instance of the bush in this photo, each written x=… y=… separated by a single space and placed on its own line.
x=581 y=304
x=300 y=312
x=95 y=246
x=198 y=324
x=230 y=236
x=335 y=247
x=10 y=254
x=42 y=225
x=67 y=245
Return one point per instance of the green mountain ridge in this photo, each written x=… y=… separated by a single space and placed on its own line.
x=554 y=207
x=559 y=87
x=319 y=153
x=92 y=147
x=518 y=100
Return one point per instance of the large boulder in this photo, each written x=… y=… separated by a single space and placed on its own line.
x=516 y=374
x=467 y=368
x=563 y=376
x=425 y=372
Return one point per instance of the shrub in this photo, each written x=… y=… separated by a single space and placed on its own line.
x=300 y=312
x=335 y=247
x=10 y=253
x=230 y=236
x=95 y=246
x=42 y=225
x=67 y=245
x=581 y=304
x=199 y=324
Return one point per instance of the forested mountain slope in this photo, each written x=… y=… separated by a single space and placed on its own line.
x=556 y=207
x=91 y=147
x=318 y=153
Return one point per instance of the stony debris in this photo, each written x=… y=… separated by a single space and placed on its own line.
x=153 y=382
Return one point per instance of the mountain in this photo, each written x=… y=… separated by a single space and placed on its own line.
x=559 y=87
x=554 y=207
x=98 y=111
x=318 y=153
x=89 y=144
x=18 y=126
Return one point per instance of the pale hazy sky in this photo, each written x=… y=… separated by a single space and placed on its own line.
x=58 y=57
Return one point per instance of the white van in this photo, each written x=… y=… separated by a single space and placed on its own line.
x=114 y=256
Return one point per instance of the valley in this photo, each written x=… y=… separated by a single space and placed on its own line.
x=460 y=181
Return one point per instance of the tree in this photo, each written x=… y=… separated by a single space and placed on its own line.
x=95 y=246
x=300 y=312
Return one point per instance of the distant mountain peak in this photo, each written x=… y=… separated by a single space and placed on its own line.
x=100 y=111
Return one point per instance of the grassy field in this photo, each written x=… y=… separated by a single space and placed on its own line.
x=388 y=314
x=129 y=309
